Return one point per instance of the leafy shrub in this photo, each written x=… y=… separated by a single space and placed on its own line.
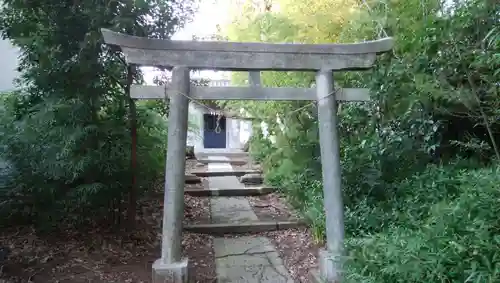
x=63 y=169
x=457 y=241
x=412 y=213
x=373 y=162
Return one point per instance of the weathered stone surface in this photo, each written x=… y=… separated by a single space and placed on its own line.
x=331 y=172
x=225 y=181
x=329 y=266
x=243 y=259
x=252 y=179
x=241 y=245
x=173 y=209
x=170 y=273
x=221 y=154
x=124 y=40
x=231 y=210
x=228 y=209
x=249 y=259
x=240 y=61
x=248 y=93
x=238 y=56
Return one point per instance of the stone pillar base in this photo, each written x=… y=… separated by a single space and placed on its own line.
x=329 y=266
x=170 y=273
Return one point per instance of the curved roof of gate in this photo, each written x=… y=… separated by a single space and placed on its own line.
x=218 y=55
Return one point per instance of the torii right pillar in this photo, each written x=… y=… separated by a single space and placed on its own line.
x=331 y=258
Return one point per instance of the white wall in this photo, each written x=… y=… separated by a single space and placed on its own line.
x=232 y=133
x=239 y=133
x=9 y=62
x=245 y=131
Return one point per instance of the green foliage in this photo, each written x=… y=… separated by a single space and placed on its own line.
x=67 y=135
x=413 y=213
x=61 y=174
x=456 y=240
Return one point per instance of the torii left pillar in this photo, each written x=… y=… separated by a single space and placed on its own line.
x=171 y=268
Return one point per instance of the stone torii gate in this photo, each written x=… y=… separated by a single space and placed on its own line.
x=183 y=56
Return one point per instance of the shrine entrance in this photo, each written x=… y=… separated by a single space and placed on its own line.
x=183 y=56
x=214 y=131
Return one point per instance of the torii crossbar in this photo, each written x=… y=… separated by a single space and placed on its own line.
x=183 y=56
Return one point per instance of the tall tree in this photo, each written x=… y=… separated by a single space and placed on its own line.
x=73 y=116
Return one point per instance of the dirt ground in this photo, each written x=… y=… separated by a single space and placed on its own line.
x=103 y=254
x=106 y=255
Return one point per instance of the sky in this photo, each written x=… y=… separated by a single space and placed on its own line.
x=209 y=14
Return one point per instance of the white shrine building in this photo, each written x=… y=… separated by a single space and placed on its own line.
x=215 y=128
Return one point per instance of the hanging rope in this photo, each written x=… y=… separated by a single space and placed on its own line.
x=217 y=124
x=287 y=116
x=217 y=129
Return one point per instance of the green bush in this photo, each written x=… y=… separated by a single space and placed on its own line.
x=63 y=171
x=412 y=212
x=373 y=162
x=457 y=240
x=402 y=217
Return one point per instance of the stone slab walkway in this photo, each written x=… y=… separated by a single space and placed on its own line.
x=231 y=210
x=223 y=182
x=247 y=259
x=228 y=209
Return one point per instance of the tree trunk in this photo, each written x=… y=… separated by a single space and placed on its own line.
x=132 y=196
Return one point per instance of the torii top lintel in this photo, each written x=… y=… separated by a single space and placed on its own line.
x=238 y=56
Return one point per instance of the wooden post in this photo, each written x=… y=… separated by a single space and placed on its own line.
x=170 y=268
x=331 y=258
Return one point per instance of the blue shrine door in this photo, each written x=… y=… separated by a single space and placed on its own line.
x=213 y=138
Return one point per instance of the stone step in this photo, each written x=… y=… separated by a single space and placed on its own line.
x=243 y=227
x=221 y=153
x=233 y=192
x=252 y=179
x=238 y=162
x=223 y=173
